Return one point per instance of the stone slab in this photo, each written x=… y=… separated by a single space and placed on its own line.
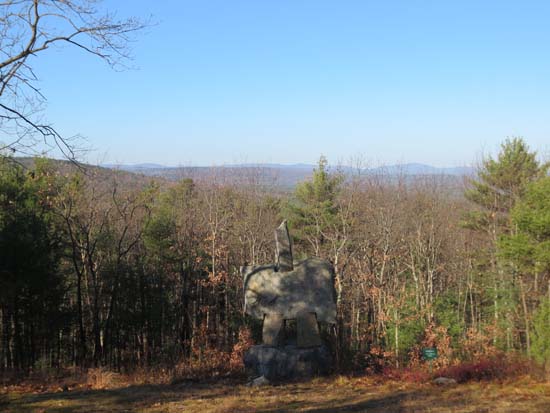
x=307 y=331
x=283 y=245
x=272 y=329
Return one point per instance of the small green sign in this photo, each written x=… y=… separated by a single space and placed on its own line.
x=429 y=353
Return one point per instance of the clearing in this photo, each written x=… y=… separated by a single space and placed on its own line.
x=333 y=394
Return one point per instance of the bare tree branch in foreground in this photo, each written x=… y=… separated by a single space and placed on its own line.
x=27 y=29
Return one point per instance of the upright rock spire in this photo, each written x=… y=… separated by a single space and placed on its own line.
x=284 y=248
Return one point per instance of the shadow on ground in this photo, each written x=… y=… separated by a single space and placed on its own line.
x=320 y=397
x=132 y=398
x=380 y=404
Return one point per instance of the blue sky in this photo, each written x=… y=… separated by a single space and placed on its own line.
x=437 y=82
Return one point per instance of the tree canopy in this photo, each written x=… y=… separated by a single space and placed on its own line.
x=501 y=182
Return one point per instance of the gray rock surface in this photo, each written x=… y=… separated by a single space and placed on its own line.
x=272 y=329
x=258 y=381
x=283 y=244
x=309 y=288
x=288 y=290
x=444 y=381
x=307 y=331
x=288 y=362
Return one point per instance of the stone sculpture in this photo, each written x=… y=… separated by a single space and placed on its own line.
x=289 y=291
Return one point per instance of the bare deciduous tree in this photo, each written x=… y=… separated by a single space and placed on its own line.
x=28 y=28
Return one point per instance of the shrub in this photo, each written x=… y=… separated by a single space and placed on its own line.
x=377 y=360
x=100 y=378
x=241 y=346
x=210 y=362
x=491 y=368
x=435 y=337
x=478 y=344
x=409 y=375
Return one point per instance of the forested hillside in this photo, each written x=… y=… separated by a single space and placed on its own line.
x=106 y=268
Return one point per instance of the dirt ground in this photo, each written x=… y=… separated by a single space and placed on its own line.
x=334 y=394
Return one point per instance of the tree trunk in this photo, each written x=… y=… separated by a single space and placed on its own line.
x=525 y=317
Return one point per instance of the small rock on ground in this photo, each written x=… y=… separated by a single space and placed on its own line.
x=259 y=381
x=444 y=381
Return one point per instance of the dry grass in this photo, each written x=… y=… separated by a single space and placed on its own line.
x=99 y=379
x=320 y=395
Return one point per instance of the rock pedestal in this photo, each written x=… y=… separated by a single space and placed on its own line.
x=287 y=362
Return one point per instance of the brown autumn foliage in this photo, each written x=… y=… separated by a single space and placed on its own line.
x=145 y=272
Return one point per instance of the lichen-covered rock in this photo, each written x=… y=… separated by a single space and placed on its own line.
x=288 y=362
x=288 y=290
x=308 y=288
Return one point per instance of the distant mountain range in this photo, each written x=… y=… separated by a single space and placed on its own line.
x=284 y=175
x=274 y=175
x=399 y=169
x=422 y=169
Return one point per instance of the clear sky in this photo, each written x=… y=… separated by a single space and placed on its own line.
x=227 y=81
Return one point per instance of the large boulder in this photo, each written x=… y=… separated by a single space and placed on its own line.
x=308 y=288
x=288 y=362
x=287 y=290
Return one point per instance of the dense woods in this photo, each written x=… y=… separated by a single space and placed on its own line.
x=105 y=268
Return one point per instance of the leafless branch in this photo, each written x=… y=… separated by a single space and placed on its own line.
x=27 y=29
